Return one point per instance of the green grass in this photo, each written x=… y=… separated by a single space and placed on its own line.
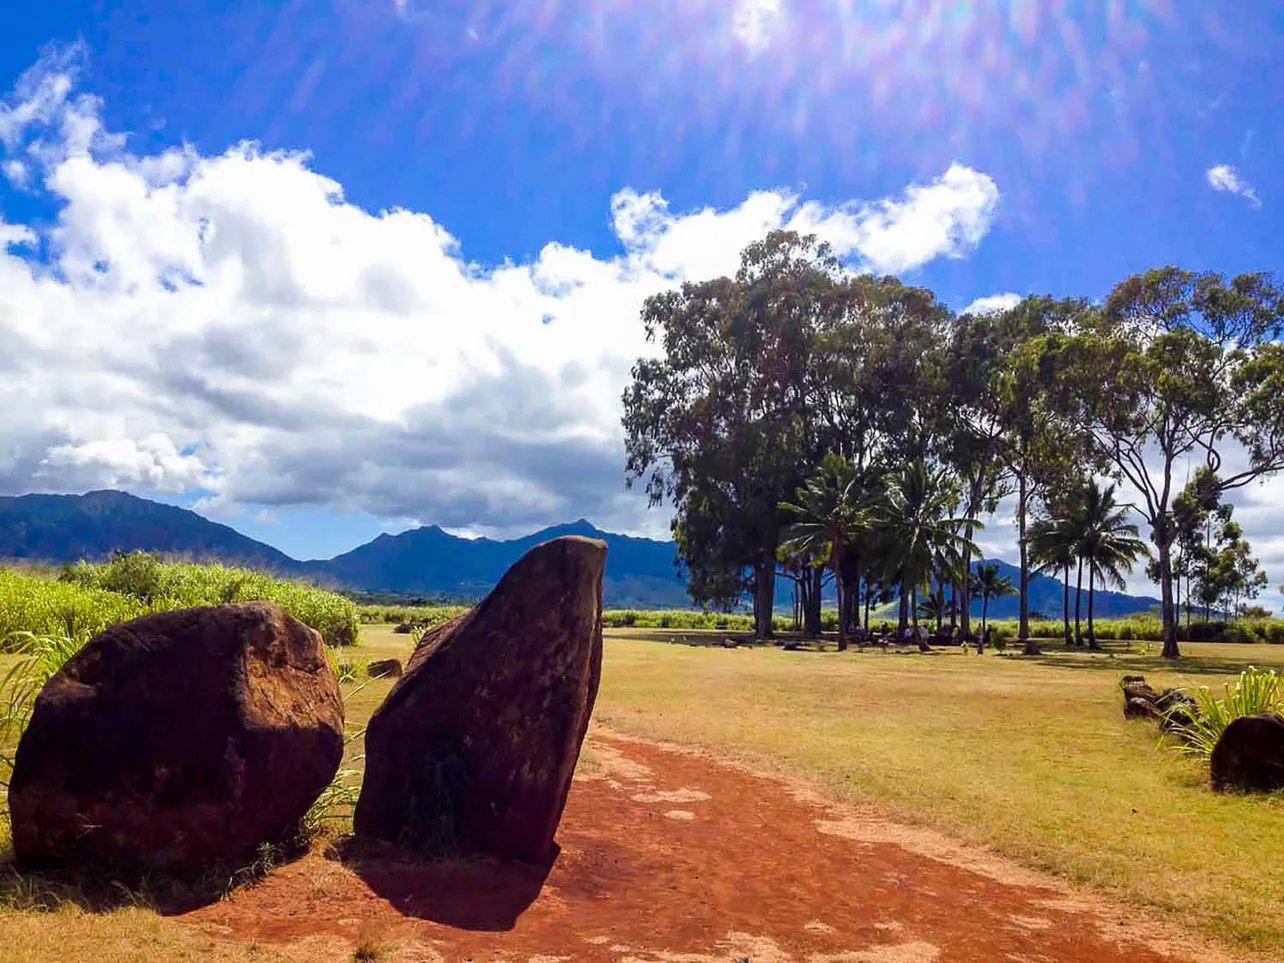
x=1029 y=756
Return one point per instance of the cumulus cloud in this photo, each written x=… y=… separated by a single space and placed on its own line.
x=993 y=303
x=1224 y=177
x=945 y=218
x=229 y=324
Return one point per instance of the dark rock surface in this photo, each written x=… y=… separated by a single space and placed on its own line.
x=384 y=668
x=178 y=741
x=1250 y=754
x=474 y=748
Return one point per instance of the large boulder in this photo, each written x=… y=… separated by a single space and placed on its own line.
x=177 y=742
x=473 y=750
x=1250 y=754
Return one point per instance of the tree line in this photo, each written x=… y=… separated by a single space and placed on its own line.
x=809 y=423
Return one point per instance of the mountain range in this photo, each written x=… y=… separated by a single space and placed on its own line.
x=430 y=562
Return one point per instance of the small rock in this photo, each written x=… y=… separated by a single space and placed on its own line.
x=1140 y=701
x=1135 y=708
x=384 y=668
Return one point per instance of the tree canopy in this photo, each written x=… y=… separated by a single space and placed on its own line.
x=801 y=419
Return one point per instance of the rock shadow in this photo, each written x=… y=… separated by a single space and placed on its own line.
x=106 y=890
x=466 y=893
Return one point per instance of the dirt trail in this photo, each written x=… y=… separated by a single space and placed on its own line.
x=670 y=857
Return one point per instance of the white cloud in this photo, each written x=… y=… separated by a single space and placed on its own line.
x=230 y=324
x=1224 y=177
x=946 y=218
x=992 y=304
x=754 y=23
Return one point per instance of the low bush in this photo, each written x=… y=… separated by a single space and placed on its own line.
x=154 y=585
x=1254 y=692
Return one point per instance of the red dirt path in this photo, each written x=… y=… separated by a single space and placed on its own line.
x=670 y=856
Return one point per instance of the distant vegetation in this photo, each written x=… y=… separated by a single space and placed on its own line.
x=1137 y=628
x=86 y=598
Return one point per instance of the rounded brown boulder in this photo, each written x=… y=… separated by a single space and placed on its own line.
x=473 y=750
x=178 y=741
x=1250 y=754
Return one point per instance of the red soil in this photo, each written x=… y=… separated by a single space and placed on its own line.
x=670 y=856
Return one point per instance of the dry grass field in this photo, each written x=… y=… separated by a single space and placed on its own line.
x=1028 y=757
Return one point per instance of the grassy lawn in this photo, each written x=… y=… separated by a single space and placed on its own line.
x=1030 y=756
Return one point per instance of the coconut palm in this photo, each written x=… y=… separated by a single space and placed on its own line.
x=1106 y=541
x=920 y=529
x=830 y=514
x=1052 y=550
x=991 y=585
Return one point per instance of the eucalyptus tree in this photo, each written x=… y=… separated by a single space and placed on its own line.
x=1177 y=366
x=975 y=426
x=1041 y=449
x=724 y=422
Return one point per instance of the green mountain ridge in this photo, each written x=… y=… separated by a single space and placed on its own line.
x=427 y=561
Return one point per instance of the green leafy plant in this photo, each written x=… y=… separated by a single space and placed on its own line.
x=1254 y=692
x=40 y=657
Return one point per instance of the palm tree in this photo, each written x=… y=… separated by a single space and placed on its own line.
x=829 y=517
x=1106 y=541
x=1052 y=549
x=991 y=585
x=920 y=528
x=934 y=608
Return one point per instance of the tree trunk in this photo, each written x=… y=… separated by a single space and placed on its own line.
x=1078 y=606
x=965 y=617
x=812 y=580
x=954 y=606
x=764 y=599
x=985 y=607
x=1065 y=604
x=1023 y=621
x=1092 y=592
x=902 y=612
x=1164 y=545
x=842 y=614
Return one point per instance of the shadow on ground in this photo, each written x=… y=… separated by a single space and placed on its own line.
x=39 y=889
x=478 y=895
x=1119 y=658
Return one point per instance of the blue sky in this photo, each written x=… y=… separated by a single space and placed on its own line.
x=195 y=230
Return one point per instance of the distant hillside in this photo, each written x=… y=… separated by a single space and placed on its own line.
x=428 y=561
x=640 y=572
x=65 y=528
x=1046 y=596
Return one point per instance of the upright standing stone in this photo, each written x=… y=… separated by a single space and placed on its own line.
x=178 y=741
x=474 y=748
